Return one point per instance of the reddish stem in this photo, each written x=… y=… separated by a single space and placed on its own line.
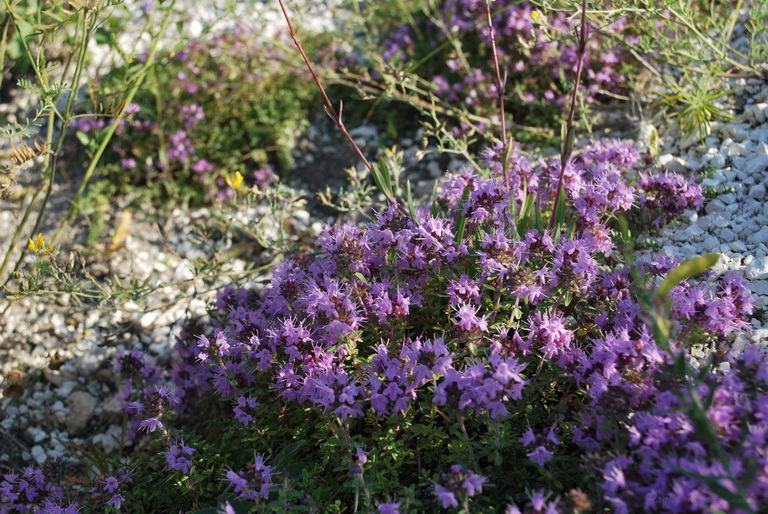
x=567 y=148
x=500 y=85
x=328 y=105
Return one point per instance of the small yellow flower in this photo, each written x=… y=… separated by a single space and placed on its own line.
x=535 y=15
x=235 y=180
x=37 y=245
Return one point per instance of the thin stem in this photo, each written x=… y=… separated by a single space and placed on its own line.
x=460 y=419
x=500 y=85
x=113 y=127
x=565 y=155
x=336 y=117
x=79 y=66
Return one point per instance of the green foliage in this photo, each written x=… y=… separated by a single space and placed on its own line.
x=251 y=103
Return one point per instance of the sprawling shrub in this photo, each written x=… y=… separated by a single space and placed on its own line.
x=469 y=357
x=228 y=101
x=448 y=43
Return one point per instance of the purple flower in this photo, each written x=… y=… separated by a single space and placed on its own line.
x=540 y=455
x=445 y=497
x=459 y=481
x=245 y=409
x=389 y=508
x=176 y=457
x=254 y=482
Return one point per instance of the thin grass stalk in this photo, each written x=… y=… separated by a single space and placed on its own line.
x=565 y=154
x=336 y=117
x=500 y=85
x=113 y=127
x=79 y=66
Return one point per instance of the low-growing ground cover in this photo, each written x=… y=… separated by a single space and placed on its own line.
x=499 y=347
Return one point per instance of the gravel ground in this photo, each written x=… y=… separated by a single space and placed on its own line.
x=64 y=353
x=734 y=222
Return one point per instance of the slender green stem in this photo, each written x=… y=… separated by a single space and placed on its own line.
x=565 y=155
x=500 y=84
x=113 y=127
x=51 y=158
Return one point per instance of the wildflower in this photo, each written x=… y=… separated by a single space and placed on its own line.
x=38 y=245
x=254 y=482
x=245 y=408
x=235 y=180
x=389 y=508
x=459 y=481
x=175 y=457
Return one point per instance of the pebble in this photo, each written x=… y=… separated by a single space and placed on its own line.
x=756 y=165
x=759 y=237
x=38 y=453
x=757 y=191
x=757 y=268
x=81 y=406
x=671 y=162
x=710 y=243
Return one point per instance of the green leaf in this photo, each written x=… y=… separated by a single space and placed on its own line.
x=684 y=271
x=83 y=138
x=461 y=222
x=288 y=451
x=624 y=229
x=434 y=206
x=360 y=277
x=382 y=179
x=563 y=136
x=536 y=216
x=526 y=211
x=104 y=37
x=653 y=144
x=559 y=214
x=409 y=201
x=386 y=175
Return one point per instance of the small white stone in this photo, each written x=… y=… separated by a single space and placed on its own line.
x=727 y=235
x=735 y=149
x=714 y=206
x=757 y=191
x=738 y=131
x=38 y=454
x=720 y=220
x=148 y=319
x=672 y=163
x=717 y=160
x=710 y=243
x=739 y=246
x=756 y=164
x=434 y=169
x=759 y=237
x=36 y=435
x=758 y=268
x=759 y=287
x=81 y=406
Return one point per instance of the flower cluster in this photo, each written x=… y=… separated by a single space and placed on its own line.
x=178 y=455
x=254 y=482
x=532 y=340
x=227 y=99
x=108 y=487
x=50 y=490
x=459 y=482
x=537 y=50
